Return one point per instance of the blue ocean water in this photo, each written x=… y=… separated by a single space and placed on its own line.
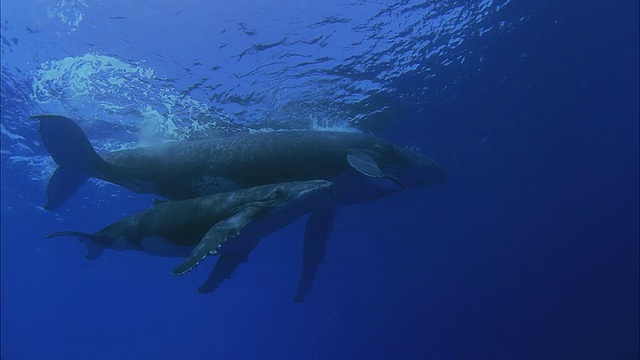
x=529 y=250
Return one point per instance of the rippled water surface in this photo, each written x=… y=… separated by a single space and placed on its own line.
x=528 y=250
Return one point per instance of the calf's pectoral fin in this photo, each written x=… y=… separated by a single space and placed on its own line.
x=213 y=239
x=366 y=165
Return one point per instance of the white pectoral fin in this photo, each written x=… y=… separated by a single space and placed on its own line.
x=218 y=234
x=366 y=165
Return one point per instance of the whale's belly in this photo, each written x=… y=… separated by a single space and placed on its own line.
x=158 y=246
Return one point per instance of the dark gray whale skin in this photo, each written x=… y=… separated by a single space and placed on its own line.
x=199 y=227
x=362 y=166
x=187 y=169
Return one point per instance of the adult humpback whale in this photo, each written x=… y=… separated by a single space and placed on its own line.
x=187 y=169
x=199 y=227
x=362 y=166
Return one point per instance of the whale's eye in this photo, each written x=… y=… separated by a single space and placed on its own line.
x=278 y=192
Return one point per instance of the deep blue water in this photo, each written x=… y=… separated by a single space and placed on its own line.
x=528 y=251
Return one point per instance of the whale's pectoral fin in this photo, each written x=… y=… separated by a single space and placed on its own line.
x=366 y=165
x=91 y=242
x=317 y=233
x=226 y=265
x=219 y=233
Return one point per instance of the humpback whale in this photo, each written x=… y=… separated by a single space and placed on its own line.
x=226 y=222
x=362 y=166
x=188 y=169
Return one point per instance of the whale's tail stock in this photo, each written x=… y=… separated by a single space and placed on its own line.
x=94 y=244
x=71 y=150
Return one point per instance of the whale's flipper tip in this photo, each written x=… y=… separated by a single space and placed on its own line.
x=317 y=231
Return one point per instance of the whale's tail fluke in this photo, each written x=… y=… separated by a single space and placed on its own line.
x=71 y=150
x=90 y=241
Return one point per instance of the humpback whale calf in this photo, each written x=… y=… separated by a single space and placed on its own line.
x=362 y=166
x=208 y=225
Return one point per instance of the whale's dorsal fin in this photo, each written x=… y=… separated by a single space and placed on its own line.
x=366 y=165
x=219 y=233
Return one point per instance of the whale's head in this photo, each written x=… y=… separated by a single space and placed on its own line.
x=301 y=193
x=410 y=168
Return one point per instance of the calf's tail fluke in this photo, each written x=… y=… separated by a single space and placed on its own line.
x=90 y=241
x=71 y=150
